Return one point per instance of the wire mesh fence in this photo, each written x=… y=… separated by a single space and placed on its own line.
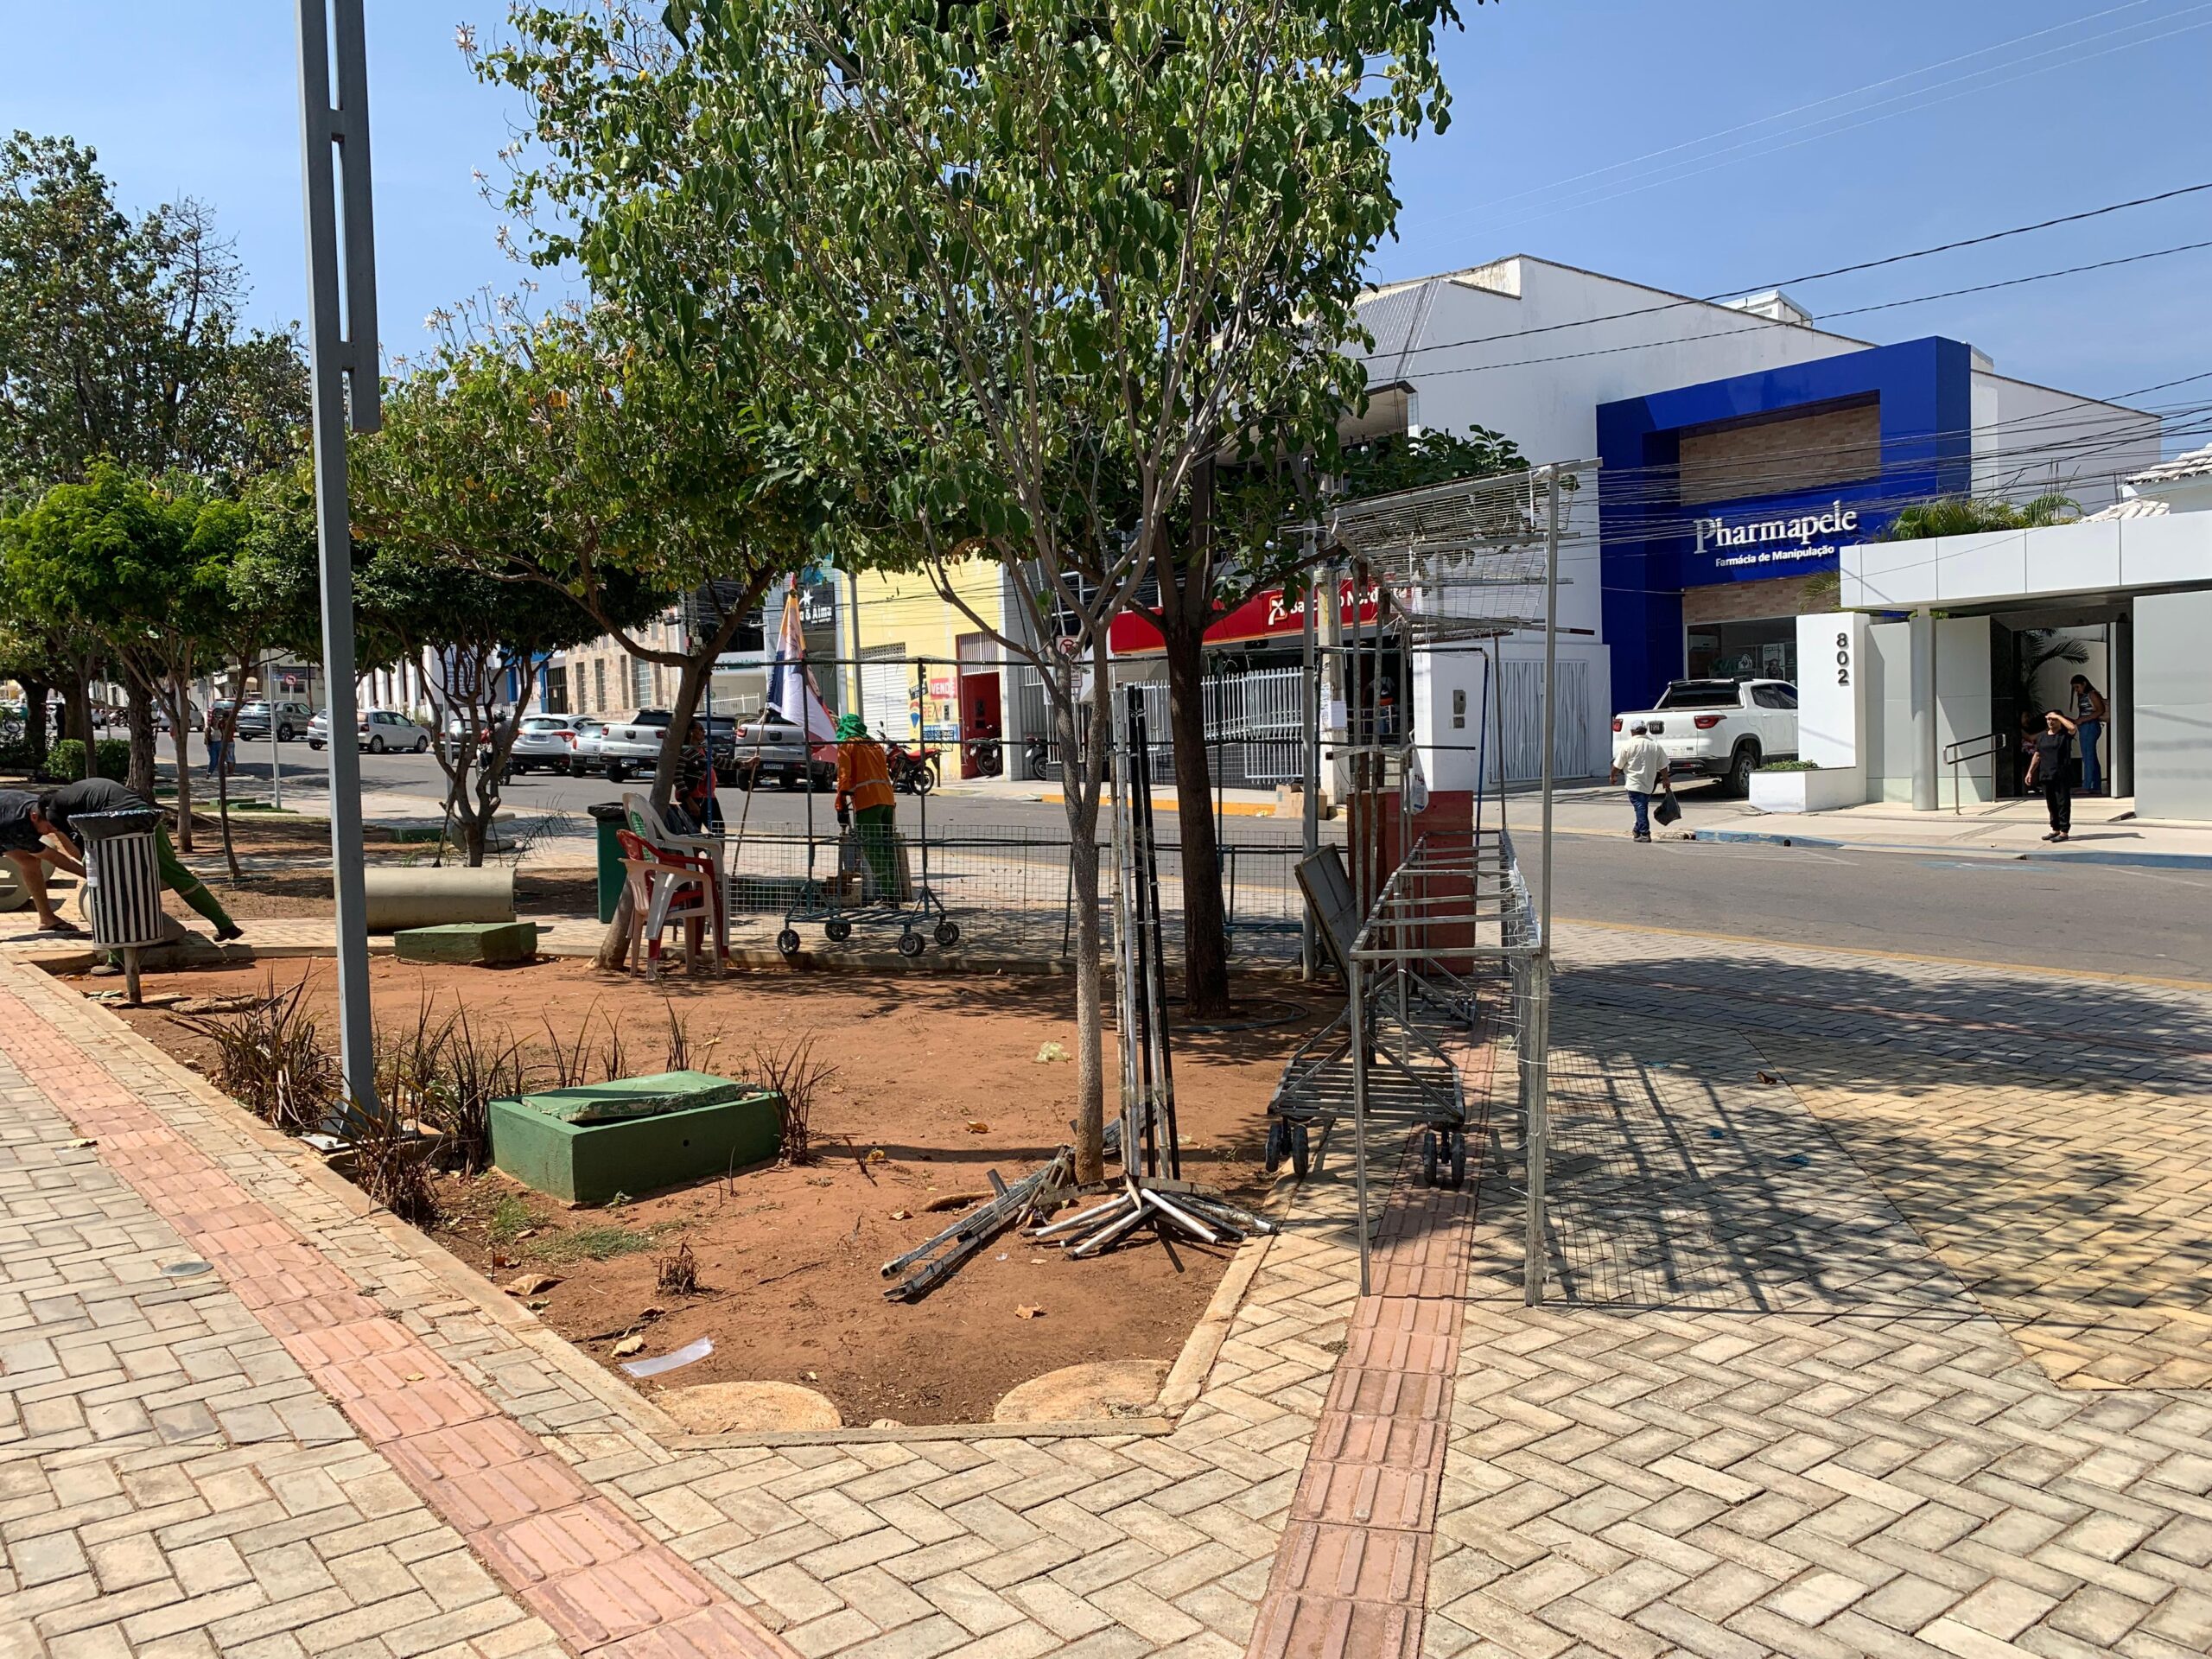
x=1008 y=888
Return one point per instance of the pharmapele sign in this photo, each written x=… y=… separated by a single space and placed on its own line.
x=1786 y=542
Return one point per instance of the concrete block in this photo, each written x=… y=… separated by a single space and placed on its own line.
x=591 y=1162
x=486 y=944
x=624 y=1097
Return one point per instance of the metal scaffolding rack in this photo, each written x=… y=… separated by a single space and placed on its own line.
x=1439 y=927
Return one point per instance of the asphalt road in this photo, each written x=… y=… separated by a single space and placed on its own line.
x=2095 y=918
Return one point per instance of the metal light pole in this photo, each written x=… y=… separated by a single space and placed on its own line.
x=343 y=353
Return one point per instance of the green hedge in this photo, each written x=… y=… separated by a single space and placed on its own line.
x=65 y=761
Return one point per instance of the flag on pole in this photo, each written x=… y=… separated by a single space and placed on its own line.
x=791 y=690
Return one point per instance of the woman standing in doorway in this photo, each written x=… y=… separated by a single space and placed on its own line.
x=2090 y=713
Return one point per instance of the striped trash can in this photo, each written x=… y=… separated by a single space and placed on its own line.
x=122 y=883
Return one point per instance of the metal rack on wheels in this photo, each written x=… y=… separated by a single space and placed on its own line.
x=1434 y=927
x=906 y=901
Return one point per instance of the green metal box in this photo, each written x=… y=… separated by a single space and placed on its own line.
x=484 y=943
x=587 y=1145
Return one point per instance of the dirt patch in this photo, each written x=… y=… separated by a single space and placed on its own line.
x=787 y=1258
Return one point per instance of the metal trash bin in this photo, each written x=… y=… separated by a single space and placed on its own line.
x=611 y=875
x=122 y=883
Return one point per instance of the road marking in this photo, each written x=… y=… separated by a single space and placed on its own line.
x=1889 y=956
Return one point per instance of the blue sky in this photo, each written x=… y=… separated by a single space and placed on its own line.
x=198 y=97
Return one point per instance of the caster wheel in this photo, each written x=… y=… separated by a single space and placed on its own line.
x=837 y=931
x=1278 y=1145
x=948 y=934
x=1460 y=1161
x=1428 y=1158
x=787 y=942
x=1299 y=1159
x=910 y=944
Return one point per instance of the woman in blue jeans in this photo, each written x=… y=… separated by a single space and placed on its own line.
x=2090 y=713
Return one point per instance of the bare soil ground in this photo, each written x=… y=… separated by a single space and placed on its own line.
x=941 y=1077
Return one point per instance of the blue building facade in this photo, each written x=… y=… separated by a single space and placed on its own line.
x=1669 y=530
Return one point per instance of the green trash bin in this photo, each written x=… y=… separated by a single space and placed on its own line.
x=611 y=875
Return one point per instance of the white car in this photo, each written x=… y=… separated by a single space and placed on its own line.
x=584 y=757
x=1718 y=729
x=381 y=731
x=319 y=728
x=633 y=743
x=545 y=743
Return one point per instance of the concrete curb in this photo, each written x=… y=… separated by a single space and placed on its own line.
x=1926 y=849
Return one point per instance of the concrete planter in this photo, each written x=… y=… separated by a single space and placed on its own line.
x=1806 y=792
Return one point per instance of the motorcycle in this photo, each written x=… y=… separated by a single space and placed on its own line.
x=985 y=754
x=913 y=772
x=1039 y=753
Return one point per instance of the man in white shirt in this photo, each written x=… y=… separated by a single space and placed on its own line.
x=1643 y=770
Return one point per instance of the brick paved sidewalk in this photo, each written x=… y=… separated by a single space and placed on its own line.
x=1861 y=1318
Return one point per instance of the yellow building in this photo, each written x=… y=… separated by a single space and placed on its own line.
x=925 y=670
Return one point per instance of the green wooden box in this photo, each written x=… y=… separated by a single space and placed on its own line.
x=732 y=1125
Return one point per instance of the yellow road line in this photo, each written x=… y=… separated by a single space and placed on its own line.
x=1889 y=956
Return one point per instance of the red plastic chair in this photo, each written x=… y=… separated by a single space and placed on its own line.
x=667 y=886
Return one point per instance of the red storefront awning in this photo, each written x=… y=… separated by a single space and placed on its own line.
x=1264 y=616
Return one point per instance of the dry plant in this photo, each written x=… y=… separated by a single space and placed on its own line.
x=572 y=1059
x=794 y=1073
x=267 y=1059
x=678 y=1273
x=388 y=1162
x=474 y=1067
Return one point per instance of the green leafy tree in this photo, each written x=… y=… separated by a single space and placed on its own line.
x=121 y=337
x=556 y=455
x=1036 y=265
x=140 y=565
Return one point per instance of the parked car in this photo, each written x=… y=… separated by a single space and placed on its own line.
x=545 y=743
x=771 y=746
x=381 y=730
x=292 y=720
x=584 y=759
x=193 y=717
x=1719 y=728
x=319 y=728
x=633 y=743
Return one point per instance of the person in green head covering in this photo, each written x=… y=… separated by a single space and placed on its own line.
x=864 y=787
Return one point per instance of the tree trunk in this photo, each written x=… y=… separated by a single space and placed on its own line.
x=180 y=702
x=35 y=720
x=223 y=813
x=690 y=682
x=77 y=706
x=1205 y=926
x=140 y=716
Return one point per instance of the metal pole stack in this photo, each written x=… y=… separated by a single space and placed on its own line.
x=1152 y=1190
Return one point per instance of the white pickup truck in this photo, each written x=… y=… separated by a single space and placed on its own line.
x=1718 y=729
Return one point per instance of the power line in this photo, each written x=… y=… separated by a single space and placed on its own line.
x=1833 y=97
x=2073 y=60
x=1808 y=277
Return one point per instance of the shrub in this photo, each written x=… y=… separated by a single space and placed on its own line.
x=1791 y=766
x=65 y=761
x=111 y=759
x=794 y=1074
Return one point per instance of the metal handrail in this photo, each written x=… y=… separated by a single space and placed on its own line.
x=1957 y=754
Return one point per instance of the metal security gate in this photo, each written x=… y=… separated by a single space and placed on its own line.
x=886 y=699
x=1253 y=724
x=1523 y=721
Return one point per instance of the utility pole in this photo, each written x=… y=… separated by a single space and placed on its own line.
x=342 y=355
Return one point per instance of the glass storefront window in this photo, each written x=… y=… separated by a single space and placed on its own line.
x=1761 y=650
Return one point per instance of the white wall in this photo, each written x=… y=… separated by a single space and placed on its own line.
x=1831 y=685
x=2112 y=554
x=2031 y=440
x=1962 y=708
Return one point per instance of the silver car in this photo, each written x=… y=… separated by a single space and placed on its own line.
x=545 y=743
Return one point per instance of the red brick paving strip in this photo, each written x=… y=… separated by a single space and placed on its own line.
x=1351 y=1576
x=608 y=1588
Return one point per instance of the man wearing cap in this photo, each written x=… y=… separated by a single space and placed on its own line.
x=35 y=830
x=1643 y=770
x=864 y=786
